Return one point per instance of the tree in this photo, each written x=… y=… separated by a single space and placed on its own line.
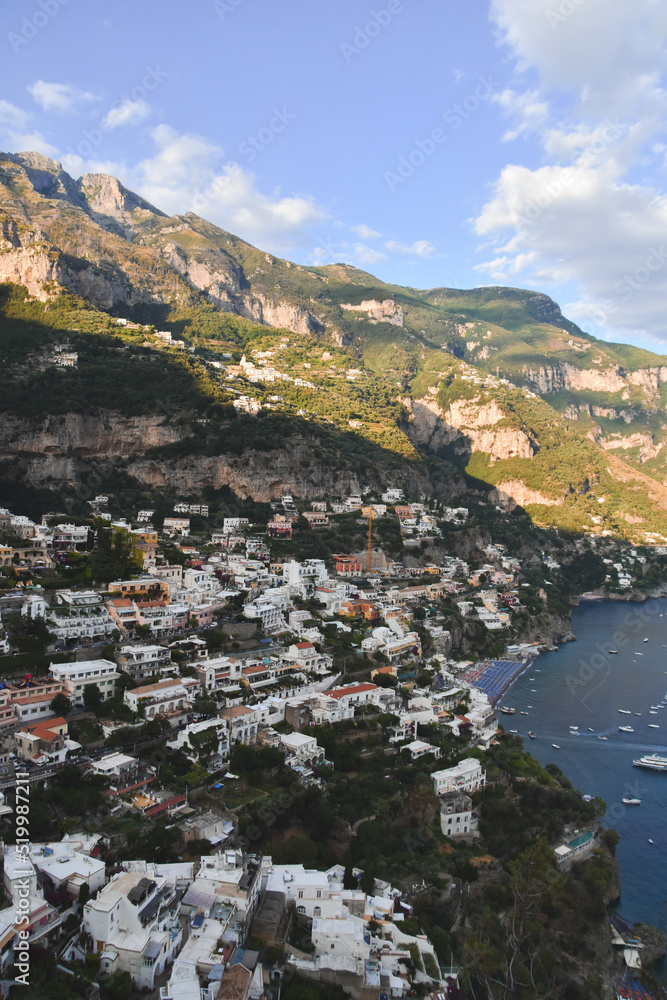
x=60 y=704
x=142 y=631
x=28 y=635
x=92 y=698
x=119 y=986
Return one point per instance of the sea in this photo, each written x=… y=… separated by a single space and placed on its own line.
x=583 y=685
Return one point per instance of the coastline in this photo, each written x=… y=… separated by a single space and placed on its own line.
x=655 y=955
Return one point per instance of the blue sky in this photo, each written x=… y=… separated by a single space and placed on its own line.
x=431 y=142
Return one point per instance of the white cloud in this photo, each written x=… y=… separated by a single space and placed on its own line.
x=365 y=232
x=13 y=117
x=582 y=218
x=15 y=133
x=58 y=96
x=367 y=255
x=420 y=248
x=127 y=113
x=529 y=111
x=185 y=175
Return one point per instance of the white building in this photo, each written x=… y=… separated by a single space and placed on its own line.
x=302 y=749
x=458 y=818
x=467 y=776
x=134 y=925
x=75 y=677
x=271 y=618
x=158 y=699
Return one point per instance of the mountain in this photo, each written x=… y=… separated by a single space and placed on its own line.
x=489 y=391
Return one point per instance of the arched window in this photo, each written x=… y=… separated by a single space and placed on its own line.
x=317 y=911
x=301 y=909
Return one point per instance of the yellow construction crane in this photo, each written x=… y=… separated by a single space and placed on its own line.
x=370 y=530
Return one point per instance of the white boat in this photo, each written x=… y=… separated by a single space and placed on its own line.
x=507 y=711
x=625 y=711
x=645 y=640
x=653 y=725
x=555 y=746
x=625 y=729
x=653 y=761
x=574 y=727
x=529 y=706
x=631 y=802
x=532 y=735
x=603 y=737
x=523 y=713
x=514 y=731
x=590 y=730
x=652 y=711
x=638 y=713
x=650 y=841
x=612 y=651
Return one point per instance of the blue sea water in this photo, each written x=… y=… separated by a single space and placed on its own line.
x=583 y=684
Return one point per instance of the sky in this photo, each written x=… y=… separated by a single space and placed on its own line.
x=450 y=143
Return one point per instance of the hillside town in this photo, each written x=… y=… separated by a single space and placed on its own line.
x=214 y=644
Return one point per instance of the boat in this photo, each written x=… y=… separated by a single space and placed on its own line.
x=645 y=640
x=514 y=731
x=603 y=737
x=653 y=725
x=574 y=727
x=590 y=730
x=631 y=802
x=652 y=761
x=652 y=712
x=508 y=711
x=625 y=711
x=529 y=706
x=555 y=746
x=612 y=651
x=587 y=798
x=573 y=732
x=638 y=713
x=523 y=713
x=625 y=729
x=532 y=735
x=650 y=841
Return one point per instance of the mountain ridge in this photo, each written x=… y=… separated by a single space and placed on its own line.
x=491 y=383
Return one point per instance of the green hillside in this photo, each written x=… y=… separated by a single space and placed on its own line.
x=488 y=389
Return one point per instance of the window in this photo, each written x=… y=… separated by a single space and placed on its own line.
x=319 y=893
x=300 y=894
x=317 y=911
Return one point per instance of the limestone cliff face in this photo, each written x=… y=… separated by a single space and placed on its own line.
x=386 y=311
x=67 y=449
x=512 y=493
x=78 y=434
x=468 y=426
x=563 y=375
x=30 y=266
x=647 y=449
